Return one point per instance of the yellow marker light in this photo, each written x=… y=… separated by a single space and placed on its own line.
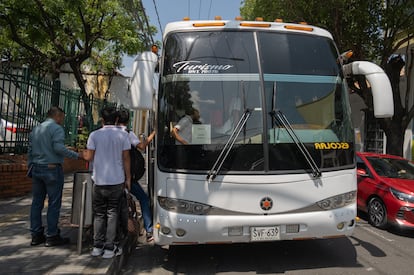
x=186 y=18
x=299 y=28
x=238 y=18
x=255 y=25
x=278 y=20
x=348 y=54
x=209 y=24
x=217 y=17
x=259 y=18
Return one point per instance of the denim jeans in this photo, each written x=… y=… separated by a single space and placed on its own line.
x=143 y=199
x=46 y=181
x=105 y=203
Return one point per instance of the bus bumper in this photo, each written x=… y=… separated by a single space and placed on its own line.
x=180 y=229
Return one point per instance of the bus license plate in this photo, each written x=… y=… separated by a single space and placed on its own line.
x=271 y=233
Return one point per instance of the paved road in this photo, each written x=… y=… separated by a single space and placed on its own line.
x=368 y=251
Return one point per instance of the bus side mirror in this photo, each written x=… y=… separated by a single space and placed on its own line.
x=380 y=86
x=142 y=81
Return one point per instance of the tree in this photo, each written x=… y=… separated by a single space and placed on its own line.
x=374 y=30
x=47 y=34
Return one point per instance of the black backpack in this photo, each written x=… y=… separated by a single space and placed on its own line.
x=137 y=163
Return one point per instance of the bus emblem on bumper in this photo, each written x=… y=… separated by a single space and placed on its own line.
x=266 y=203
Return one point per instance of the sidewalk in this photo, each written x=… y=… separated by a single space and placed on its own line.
x=18 y=257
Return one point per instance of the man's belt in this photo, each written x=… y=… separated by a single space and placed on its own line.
x=49 y=165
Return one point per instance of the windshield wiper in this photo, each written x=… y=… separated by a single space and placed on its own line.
x=211 y=175
x=283 y=121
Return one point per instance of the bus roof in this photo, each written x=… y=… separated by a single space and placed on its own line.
x=202 y=25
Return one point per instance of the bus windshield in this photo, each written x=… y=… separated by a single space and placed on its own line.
x=210 y=79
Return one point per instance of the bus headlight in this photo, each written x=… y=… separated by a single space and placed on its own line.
x=337 y=201
x=183 y=206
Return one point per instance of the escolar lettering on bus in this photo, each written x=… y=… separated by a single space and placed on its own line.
x=332 y=145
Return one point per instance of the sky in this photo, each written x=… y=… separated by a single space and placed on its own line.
x=176 y=10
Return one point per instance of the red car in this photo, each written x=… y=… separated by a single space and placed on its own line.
x=386 y=189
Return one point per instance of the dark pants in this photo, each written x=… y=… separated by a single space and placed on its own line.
x=106 y=202
x=123 y=218
x=46 y=181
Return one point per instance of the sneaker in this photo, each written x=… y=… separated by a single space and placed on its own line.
x=108 y=254
x=38 y=239
x=56 y=241
x=150 y=238
x=96 y=251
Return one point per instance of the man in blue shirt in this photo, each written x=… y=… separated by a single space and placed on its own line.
x=46 y=153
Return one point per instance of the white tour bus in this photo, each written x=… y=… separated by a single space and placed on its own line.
x=272 y=155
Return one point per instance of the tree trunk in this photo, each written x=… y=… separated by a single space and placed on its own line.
x=394 y=128
x=395 y=138
x=55 y=92
x=79 y=78
x=54 y=98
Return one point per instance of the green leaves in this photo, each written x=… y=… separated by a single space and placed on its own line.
x=50 y=33
x=369 y=28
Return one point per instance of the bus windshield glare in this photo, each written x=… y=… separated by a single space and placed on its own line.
x=223 y=74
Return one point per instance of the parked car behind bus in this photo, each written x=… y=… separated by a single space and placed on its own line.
x=386 y=189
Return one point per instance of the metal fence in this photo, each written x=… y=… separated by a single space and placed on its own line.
x=25 y=100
